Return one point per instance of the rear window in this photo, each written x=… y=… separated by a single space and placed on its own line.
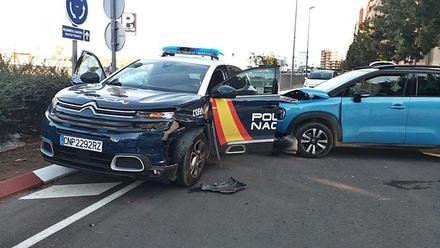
x=326 y=75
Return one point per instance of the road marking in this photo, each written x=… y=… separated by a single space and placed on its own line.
x=52 y=172
x=79 y=215
x=71 y=190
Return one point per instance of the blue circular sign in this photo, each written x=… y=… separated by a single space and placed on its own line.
x=77 y=11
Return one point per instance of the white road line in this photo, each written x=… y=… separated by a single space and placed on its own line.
x=81 y=214
x=71 y=190
x=52 y=172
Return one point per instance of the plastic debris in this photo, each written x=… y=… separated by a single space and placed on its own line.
x=227 y=187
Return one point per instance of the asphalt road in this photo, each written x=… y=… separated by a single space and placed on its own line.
x=356 y=197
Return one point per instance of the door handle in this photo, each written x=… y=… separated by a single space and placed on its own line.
x=397 y=106
x=274 y=106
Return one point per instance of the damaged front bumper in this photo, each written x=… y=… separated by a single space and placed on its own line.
x=129 y=154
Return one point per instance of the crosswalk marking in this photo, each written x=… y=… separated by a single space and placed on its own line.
x=71 y=190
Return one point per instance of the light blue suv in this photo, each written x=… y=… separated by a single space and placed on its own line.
x=385 y=105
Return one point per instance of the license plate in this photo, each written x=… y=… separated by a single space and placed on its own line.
x=80 y=143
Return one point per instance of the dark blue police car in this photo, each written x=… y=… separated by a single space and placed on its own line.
x=160 y=118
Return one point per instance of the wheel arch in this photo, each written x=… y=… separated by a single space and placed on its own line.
x=325 y=118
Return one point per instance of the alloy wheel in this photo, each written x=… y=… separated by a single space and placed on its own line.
x=314 y=141
x=197 y=158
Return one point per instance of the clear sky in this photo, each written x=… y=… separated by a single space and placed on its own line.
x=233 y=26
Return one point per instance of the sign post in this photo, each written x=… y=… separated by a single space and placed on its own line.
x=77 y=12
x=114 y=9
x=113 y=28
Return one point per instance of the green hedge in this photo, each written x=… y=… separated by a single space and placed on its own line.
x=25 y=93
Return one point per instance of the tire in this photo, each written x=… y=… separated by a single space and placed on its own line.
x=192 y=164
x=315 y=140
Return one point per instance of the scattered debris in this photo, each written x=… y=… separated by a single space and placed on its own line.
x=91 y=225
x=20 y=160
x=409 y=185
x=227 y=187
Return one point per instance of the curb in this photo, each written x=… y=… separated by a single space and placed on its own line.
x=33 y=179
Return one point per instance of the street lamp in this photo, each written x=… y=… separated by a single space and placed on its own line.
x=308 y=38
x=294 y=40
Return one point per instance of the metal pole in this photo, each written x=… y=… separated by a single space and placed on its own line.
x=114 y=33
x=308 y=38
x=74 y=55
x=294 y=41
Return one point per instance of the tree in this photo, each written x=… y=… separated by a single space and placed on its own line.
x=403 y=30
x=363 y=50
x=263 y=60
x=411 y=27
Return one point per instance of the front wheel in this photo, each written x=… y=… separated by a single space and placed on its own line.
x=315 y=140
x=191 y=167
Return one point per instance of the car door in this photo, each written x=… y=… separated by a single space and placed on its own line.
x=87 y=62
x=247 y=122
x=380 y=116
x=423 y=126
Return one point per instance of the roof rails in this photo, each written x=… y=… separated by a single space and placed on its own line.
x=380 y=67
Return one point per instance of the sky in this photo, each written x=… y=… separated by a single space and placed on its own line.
x=236 y=27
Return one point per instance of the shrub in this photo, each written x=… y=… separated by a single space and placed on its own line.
x=25 y=93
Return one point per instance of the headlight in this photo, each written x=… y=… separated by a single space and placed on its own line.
x=155 y=115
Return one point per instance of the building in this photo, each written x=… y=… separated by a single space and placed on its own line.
x=371 y=9
x=360 y=21
x=330 y=60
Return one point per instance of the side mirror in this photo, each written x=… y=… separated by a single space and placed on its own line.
x=90 y=78
x=224 y=91
x=359 y=94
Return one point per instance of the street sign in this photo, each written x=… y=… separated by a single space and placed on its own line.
x=75 y=33
x=120 y=36
x=77 y=11
x=119 y=8
x=128 y=21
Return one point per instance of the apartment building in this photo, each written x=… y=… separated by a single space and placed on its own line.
x=330 y=60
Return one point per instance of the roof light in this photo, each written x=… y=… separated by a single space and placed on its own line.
x=172 y=50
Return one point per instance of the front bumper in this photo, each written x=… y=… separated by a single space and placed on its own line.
x=147 y=147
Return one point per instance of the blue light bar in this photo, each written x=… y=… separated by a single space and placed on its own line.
x=172 y=50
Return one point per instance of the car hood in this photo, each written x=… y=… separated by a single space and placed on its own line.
x=124 y=98
x=310 y=92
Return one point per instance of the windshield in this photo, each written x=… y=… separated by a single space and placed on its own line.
x=161 y=75
x=320 y=75
x=335 y=82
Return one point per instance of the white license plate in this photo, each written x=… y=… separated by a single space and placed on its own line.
x=80 y=143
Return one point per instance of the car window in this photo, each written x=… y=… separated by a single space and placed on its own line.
x=233 y=70
x=161 y=75
x=385 y=85
x=324 y=75
x=218 y=76
x=258 y=81
x=428 y=84
x=89 y=64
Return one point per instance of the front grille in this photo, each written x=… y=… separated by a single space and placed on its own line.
x=89 y=116
x=96 y=110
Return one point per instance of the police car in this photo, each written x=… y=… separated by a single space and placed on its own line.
x=160 y=118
